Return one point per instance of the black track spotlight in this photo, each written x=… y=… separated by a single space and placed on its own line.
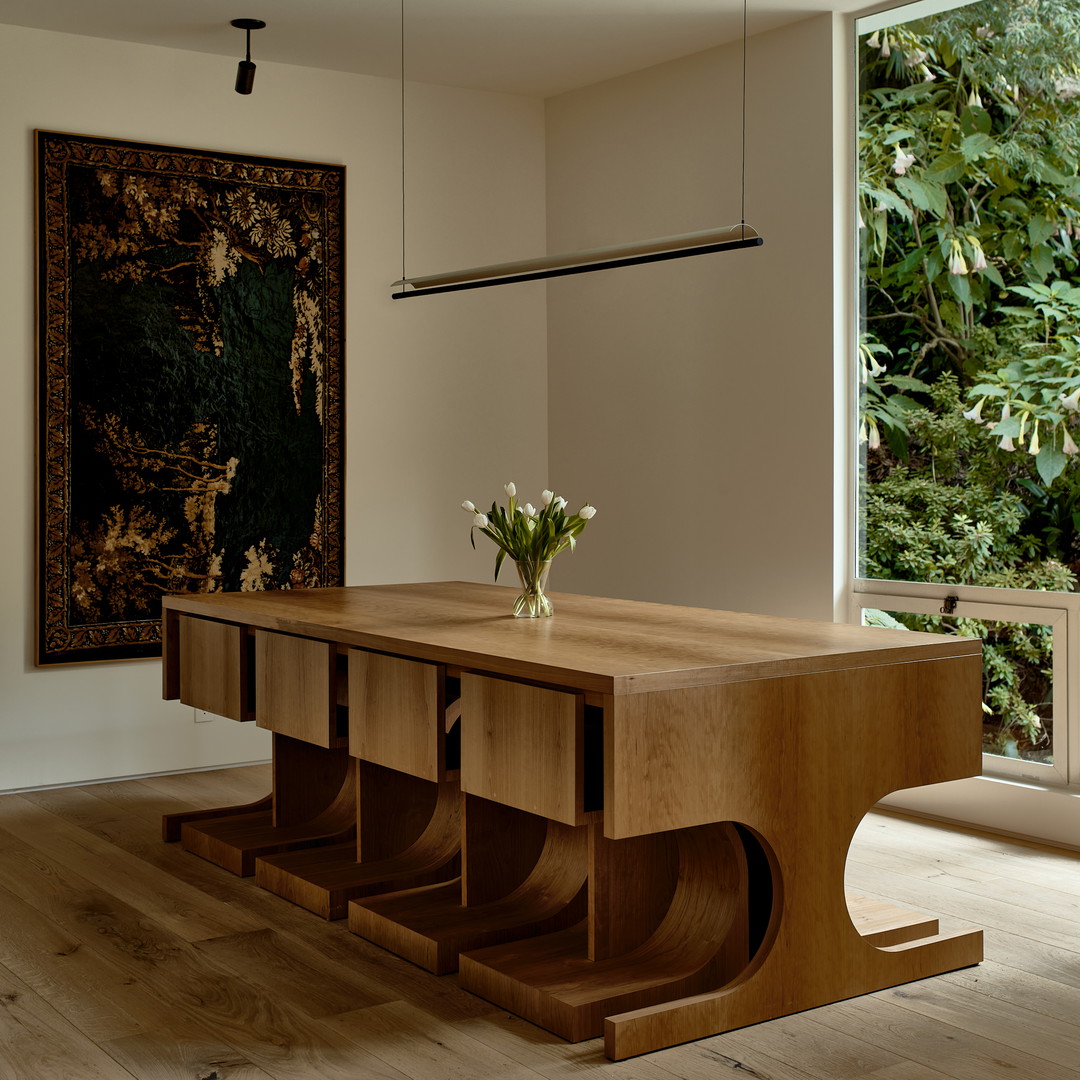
x=245 y=70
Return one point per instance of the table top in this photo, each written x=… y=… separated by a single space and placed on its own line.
x=591 y=644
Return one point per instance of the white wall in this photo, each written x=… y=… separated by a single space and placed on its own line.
x=692 y=401
x=446 y=397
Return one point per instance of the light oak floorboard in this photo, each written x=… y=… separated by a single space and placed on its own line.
x=86 y=987
x=803 y=1046
x=184 y=910
x=214 y=787
x=938 y=1044
x=424 y=1047
x=178 y=1053
x=125 y=958
x=36 y=1042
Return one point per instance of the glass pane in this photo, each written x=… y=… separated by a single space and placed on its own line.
x=969 y=335
x=1018 y=678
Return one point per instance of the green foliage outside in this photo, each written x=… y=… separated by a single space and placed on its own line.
x=970 y=346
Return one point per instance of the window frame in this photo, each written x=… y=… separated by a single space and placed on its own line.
x=1041 y=807
x=1005 y=605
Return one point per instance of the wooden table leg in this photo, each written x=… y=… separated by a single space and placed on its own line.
x=171 y=824
x=313 y=803
x=522 y=875
x=409 y=835
x=799 y=761
x=667 y=917
x=813 y=954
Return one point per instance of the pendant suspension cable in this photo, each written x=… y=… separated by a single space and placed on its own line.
x=742 y=196
x=401 y=69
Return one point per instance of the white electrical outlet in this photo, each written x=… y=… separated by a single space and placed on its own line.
x=202 y=716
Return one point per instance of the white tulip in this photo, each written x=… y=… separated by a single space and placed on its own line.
x=529 y=510
x=469 y=505
x=510 y=489
x=560 y=503
x=587 y=512
x=546 y=496
x=481 y=521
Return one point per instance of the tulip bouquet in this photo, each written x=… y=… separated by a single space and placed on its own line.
x=532 y=538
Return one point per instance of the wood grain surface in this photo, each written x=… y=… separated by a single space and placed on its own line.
x=212 y=673
x=122 y=958
x=592 y=644
x=695 y=724
x=397 y=713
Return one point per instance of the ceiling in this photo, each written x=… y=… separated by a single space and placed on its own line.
x=541 y=47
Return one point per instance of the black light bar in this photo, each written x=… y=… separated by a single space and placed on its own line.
x=706 y=242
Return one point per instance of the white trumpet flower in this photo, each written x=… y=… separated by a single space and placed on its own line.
x=903 y=161
x=976 y=413
x=957 y=265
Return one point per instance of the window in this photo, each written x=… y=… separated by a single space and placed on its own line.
x=969 y=354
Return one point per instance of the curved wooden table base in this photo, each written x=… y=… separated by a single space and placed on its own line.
x=820 y=947
x=171 y=824
x=313 y=804
x=433 y=926
x=768 y=990
x=565 y=982
x=324 y=880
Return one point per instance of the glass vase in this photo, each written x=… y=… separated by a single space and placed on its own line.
x=533 y=602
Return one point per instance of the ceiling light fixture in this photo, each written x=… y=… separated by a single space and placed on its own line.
x=727 y=238
x=245 y=70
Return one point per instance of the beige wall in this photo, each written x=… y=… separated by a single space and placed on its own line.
x=692 y=401
x=436 y=387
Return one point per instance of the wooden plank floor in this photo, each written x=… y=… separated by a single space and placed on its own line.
x=123 y=957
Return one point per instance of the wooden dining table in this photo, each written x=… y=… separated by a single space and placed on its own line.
x=628 y=819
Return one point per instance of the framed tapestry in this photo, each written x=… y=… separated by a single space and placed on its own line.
x=191 y=353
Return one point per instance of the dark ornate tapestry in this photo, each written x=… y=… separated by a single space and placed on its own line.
x=191 y=355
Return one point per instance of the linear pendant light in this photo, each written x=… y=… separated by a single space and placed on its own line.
x=661 y=249
x=583 y=262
